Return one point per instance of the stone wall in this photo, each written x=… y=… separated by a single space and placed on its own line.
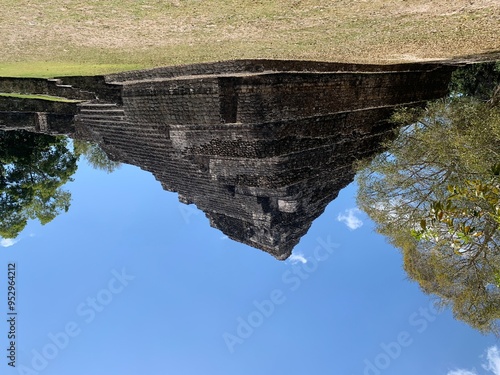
x=37 y=115
x=268 y=97
x=234 y=67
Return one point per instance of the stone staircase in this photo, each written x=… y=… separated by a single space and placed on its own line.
x=91 y=100
x=90 y=88
x=38 y=86
x=92 y=112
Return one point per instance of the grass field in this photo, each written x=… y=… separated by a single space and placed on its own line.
x=47 y=38
x=40 y=97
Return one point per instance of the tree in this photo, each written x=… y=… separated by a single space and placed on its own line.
x=435 y=195
x=462 y=240
x=95 y=155
x=467 y=219
x=476 y=80
x=33 y=168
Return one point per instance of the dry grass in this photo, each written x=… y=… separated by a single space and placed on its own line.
x=40 y=37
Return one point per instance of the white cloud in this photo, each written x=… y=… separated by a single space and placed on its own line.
x=493 y=356
x=492 y=365
x=7 y=242
x=296 y=258
x=461 y=372
x=350 y=219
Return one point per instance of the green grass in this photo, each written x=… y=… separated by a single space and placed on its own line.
x=43 y=69
x=41 y=97
x=87 y=37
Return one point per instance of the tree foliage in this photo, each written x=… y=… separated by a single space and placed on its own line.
x=435 y=194
x=95 y=156
x=33 y=168
x=476 y=80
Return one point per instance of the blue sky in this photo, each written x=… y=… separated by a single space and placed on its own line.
x=131 y=281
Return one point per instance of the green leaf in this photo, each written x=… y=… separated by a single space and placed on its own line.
x=423 y=224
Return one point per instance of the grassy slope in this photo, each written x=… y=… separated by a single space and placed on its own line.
x=40 y=97
x=46 y=38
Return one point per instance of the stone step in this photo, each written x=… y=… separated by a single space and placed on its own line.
x=88 y=117
x=98 y=116
x=103 y=112
x=100 y=120
x=98 y=105
x=89 y=93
